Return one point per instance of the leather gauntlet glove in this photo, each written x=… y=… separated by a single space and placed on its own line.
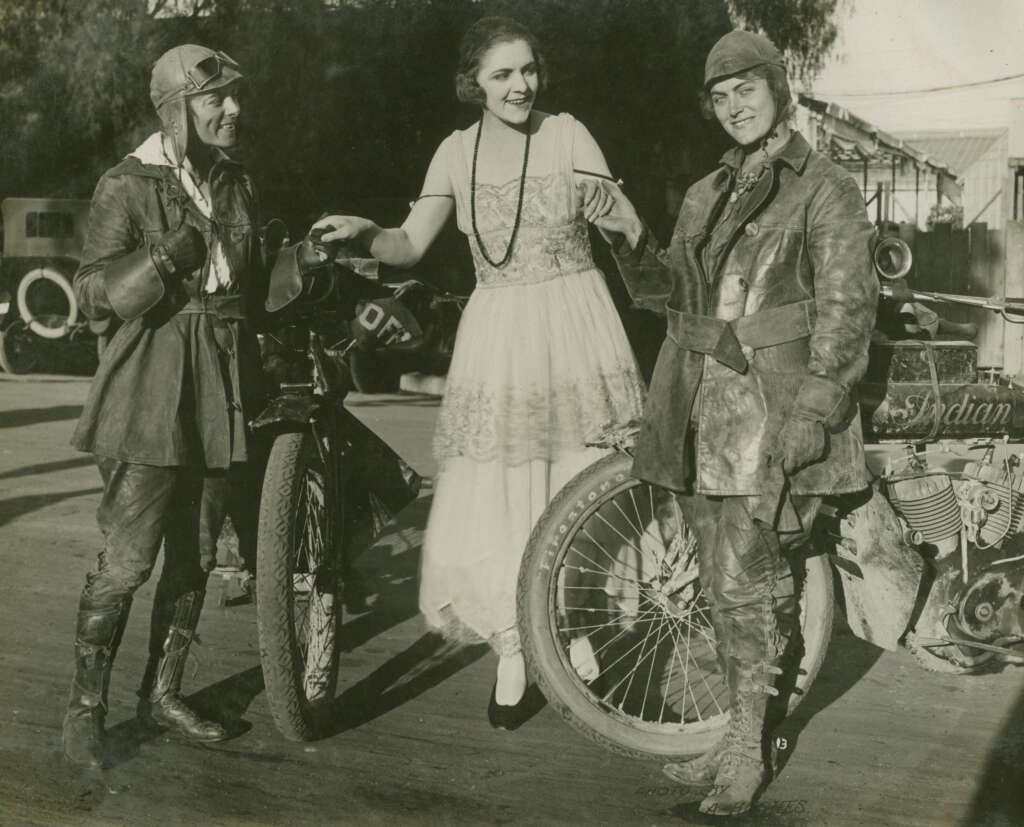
x=802 y=442
x=179 y=252
x=820 y=404
x=304 y=270
x=137 y=281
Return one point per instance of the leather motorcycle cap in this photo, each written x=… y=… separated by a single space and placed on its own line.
x=180 y=73
x=736 y=52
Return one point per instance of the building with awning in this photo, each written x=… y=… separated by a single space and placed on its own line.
x=980 y=157
x=901 y=181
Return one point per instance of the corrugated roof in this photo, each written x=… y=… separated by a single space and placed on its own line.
x=853 y=138
x=958 y=149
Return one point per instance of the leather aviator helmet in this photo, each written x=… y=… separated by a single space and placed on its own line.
x=180 y=73
x=737 y=51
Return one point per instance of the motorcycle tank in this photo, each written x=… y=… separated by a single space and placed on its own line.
x=930 y=390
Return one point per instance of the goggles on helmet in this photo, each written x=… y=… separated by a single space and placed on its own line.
x=207 y=70
x=206 y=73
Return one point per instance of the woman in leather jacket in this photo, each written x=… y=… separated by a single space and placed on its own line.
x=769 y=296
x=171 y=252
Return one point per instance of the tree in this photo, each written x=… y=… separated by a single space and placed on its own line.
x=804 y=29
x=347 y=99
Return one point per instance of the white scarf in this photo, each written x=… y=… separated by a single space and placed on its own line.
x=151 y=151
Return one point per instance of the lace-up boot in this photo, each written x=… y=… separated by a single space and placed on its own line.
x=161 y=704
x=742 y=769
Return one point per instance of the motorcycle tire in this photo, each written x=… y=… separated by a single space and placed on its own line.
x=298 y=586
x=598 y=564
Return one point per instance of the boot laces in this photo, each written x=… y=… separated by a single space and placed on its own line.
x=734 y=760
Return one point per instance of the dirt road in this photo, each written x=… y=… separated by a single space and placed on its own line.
x=878 y=742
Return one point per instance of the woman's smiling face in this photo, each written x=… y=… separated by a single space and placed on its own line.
x=508 y=76
x=215 y=116
x=745 y=108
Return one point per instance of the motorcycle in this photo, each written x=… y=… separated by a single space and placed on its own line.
x=330 y=484
x=930 y=558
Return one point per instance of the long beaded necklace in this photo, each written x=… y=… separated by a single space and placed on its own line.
x=519 y=205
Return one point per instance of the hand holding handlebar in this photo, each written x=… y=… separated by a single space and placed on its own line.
x=341 y=228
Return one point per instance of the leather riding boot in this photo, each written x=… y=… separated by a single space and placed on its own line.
x=742 y=769
x=161 y=703
x=97 y=637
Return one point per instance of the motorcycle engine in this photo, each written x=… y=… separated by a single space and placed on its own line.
x=992 y=500
x=979 y=596
x=929 y=505
x=991 y=608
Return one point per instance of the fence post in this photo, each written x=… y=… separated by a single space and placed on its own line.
x=1013 y=356
x=985 y=279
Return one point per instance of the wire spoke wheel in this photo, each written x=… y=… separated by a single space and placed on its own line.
x=615 y=624
x=297 y=581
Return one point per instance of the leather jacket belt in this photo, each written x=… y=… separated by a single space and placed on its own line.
x=224 y=307
x=725 y=341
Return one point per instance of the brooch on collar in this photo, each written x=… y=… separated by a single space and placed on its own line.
x=744 y=182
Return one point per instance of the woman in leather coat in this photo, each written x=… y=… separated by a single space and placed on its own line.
x=770 y=298
x=171 y=252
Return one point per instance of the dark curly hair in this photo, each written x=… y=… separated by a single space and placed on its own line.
x=778 y=88
x=478 y=40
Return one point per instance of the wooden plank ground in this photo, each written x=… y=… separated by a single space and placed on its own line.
x=879 y=741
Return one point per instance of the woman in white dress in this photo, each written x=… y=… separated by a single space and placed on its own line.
x=541 y=361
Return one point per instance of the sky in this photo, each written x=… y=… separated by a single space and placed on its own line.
x=888 y=46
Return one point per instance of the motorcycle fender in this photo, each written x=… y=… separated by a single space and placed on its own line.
x=292 y=409
x=880 y=572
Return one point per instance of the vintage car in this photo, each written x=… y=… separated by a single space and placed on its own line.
x=39 y=318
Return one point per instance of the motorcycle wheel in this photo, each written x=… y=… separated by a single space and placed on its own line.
x=598 y=563
x=297 y=586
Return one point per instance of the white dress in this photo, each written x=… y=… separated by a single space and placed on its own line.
x=541 y=363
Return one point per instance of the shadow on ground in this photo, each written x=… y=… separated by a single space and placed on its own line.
x=999 y=800
x=423 y=665
x=15 y=507
x=30 y=416
x=48 y=467
x=390 y=569
x=225 y=702
x=847 y=661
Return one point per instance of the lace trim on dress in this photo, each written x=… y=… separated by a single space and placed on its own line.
x=542 y=254
x=518 y=425
x=504 y=643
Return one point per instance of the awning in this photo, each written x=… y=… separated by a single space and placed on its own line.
x=849 y=138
